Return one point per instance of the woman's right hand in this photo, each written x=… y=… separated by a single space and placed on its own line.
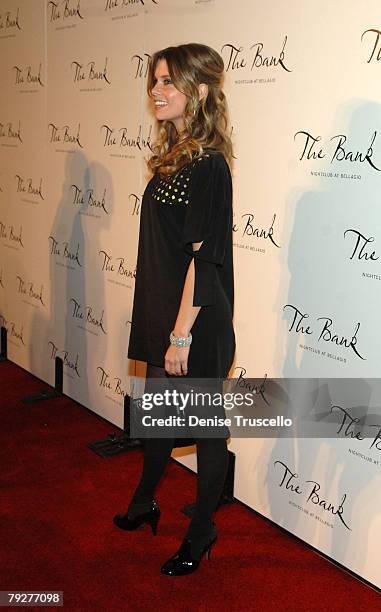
x=176 y=360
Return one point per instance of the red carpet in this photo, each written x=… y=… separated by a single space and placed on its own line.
x=57 y=502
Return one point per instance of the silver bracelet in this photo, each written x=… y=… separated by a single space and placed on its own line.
x=179 y=340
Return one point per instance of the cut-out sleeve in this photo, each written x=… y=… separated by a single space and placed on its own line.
x=208 y=220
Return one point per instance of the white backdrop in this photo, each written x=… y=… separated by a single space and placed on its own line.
x=302 y=80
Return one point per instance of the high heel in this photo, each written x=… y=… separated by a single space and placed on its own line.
x=151 y=517
x=182 y=562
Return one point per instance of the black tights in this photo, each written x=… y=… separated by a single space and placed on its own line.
x=212 y=463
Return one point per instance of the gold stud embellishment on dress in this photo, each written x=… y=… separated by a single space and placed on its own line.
x=177 y=184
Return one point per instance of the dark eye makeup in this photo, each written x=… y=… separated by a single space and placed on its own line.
x=166 y=81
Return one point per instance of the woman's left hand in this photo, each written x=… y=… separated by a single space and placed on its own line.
x=176 y=360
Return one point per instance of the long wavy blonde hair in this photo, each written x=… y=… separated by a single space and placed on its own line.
x=206 y=122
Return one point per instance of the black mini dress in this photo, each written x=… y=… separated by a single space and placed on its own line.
x=191 y=205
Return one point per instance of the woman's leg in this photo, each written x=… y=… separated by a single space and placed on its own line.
x=157 y=452
x=212 y=465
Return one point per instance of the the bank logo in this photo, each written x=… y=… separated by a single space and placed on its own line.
x=66 y=254
x=11 y=236
x=11 y=134
x=120 y=137
x=111 y=385
x=10 y=22
x=116 y=269
x=87 y=317
x=325 y=331
x=62 y=11
x=250 y=235
x=30 y=290
x=15 y=331
x=27 y=75
x=87 y=200
x=27 y=186
x=90 y=73
x=317 y=503
x=338 y=149
x=256 y=63
x=64 y=135
x=70 y=360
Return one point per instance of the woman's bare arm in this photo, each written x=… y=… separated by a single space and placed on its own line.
x=176 y=358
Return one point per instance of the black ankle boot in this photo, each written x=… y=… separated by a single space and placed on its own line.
x=183 y=561
x=150 y=515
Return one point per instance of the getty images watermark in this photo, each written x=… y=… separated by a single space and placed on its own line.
x=204 y=408
x=259 y=408
x=188 y=400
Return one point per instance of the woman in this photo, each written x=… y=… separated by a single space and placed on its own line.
x=183 y=302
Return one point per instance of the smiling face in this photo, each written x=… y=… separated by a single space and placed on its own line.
x=169 y=102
